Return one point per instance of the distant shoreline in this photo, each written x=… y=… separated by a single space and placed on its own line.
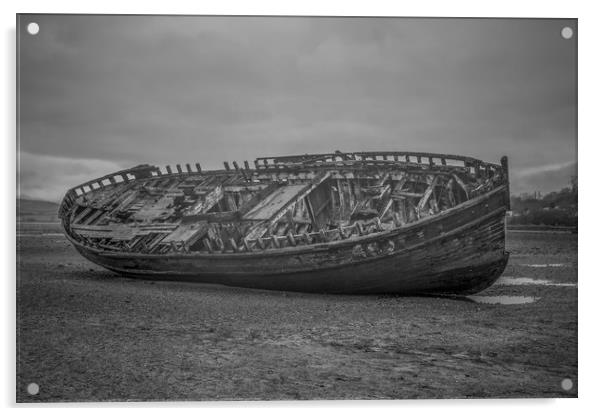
x=540 y=228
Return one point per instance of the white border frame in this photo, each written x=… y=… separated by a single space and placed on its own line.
x=589 y=109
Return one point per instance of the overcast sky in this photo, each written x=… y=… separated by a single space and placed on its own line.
x=101 y=93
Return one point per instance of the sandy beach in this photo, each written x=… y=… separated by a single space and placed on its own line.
x=86 y=334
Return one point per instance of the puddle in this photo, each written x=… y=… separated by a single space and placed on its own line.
x=503 y=300
x=546 y=265
x=520 y=281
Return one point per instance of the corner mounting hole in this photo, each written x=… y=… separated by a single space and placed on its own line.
x=33 y=389
x=33 y=28
x=567 y=384
x=566 y=32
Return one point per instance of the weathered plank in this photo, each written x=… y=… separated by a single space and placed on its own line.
x=187 y=234
x=276 y=205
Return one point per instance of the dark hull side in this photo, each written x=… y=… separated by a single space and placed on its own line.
x=459 y=251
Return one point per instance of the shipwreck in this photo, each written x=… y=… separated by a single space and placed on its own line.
x=356 y=223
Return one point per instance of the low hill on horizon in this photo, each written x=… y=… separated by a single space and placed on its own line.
x=33 y=210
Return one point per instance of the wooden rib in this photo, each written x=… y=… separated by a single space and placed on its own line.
x=450 y=192
x=291 y=239
x=386 y=208
x=220 y=244
x=462 y=185
x=230 y=202
x=275 y=242
x=246 y=245
x=427 y=194
x=342 y=208
x=310 y=211
x=289 y=219
x=350 y=194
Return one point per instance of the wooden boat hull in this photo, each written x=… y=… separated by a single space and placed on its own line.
x=458 y=251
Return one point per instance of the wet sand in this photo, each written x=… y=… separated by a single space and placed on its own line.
x=85 y=334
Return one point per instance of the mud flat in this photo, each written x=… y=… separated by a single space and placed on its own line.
x=85 y=334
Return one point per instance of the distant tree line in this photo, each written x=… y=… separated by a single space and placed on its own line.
x=558 y=208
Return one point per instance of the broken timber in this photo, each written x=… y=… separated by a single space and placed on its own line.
x=260 y=229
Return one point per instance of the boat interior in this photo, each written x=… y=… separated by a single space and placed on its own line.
x=280 y=202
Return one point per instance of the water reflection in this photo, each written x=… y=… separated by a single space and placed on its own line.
x=519 y=281
x=503 y=300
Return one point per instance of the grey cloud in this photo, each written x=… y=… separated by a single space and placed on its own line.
x=48 y=177
x=163 y=90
